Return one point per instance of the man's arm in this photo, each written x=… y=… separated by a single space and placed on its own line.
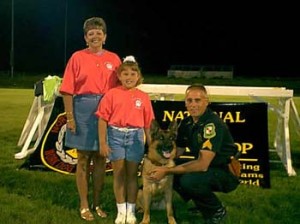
x=199 y=165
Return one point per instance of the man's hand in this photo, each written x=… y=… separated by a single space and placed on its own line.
x=158 y=173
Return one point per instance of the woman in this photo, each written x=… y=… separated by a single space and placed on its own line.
x=89 y=74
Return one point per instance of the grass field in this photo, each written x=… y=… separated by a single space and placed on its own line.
x=50 y=197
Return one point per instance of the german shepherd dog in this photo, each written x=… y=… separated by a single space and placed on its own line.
x=161 y=152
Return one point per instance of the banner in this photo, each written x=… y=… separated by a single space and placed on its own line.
x=248 y=123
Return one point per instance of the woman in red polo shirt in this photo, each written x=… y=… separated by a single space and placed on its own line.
x=89 y=74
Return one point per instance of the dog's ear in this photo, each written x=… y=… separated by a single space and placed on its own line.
x=173 y=126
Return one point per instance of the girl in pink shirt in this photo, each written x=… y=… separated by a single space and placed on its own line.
x=125 y=114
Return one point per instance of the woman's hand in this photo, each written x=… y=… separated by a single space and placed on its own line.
x=71 y=125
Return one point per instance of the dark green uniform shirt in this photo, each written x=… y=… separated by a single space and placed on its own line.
x=209 y=133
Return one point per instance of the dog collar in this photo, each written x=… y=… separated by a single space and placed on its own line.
x=155 y=162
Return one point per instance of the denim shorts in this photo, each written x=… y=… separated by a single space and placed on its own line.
x=126 y=144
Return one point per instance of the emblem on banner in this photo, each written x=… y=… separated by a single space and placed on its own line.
x=54 y=154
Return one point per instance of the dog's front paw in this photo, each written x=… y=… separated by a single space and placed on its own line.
x=146 y=220
x=171 y=220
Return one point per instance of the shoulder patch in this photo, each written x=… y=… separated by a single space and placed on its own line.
x=209 y=131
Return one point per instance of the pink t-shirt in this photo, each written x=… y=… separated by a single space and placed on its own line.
x=89 y=73
x=126 y=108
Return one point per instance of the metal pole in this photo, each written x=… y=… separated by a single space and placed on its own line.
x=66 y=29
x=12 y=39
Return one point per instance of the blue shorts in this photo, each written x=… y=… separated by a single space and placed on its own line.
x=86 y=137
x=126 y=144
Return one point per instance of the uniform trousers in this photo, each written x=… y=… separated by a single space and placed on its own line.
x=201 y=187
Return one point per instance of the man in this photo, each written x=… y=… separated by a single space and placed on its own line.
x=211 y=144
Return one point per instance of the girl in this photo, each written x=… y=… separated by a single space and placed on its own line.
x=125 y=114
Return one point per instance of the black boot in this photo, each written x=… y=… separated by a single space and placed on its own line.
x=218 y=216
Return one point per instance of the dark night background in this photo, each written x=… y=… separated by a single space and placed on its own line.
x=257 y=39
